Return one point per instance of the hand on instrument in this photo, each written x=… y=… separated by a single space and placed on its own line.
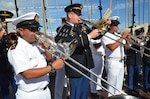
x=94 y=33
x=125 y=34
x=2 y=32
x=44 y=45
x=58 y=64
x=108 y=22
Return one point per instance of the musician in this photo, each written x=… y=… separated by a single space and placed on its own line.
x=146 y=65
x=79 y=85
x=60 y=75
x=6 y=71
x=98 y=57
x=63 y=20
x=114 y=49
x=134 y=64
x=29 y=60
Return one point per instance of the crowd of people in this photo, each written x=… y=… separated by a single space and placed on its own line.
x=34 y=72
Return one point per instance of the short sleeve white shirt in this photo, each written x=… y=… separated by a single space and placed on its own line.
x=110 y=38
x=26 y=56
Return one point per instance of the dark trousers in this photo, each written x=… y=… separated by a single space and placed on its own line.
x=5 y=81
x=52 y=84
x=79 y=88
x=133 y=76
x=147 y=76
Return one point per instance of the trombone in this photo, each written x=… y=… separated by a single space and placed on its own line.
x=60 y=52
x=55 y=49
x=136 y=37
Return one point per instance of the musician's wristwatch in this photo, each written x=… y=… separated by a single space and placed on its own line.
x=53 y=70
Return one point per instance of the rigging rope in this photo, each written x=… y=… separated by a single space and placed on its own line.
x=44 y=16
x=100 y=8
x=125 y=13
x=148 y=11
x=88 y=9
x=110 y=4
x=91 y=11
x=16 y=8
x=49 y=16
x=143 y=9
x=139 y=12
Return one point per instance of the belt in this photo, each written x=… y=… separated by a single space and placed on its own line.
x=116 y=58
x=45 y=88
x=42 y=89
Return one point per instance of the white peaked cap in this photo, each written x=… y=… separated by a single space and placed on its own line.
x=25 y=17
x=114 y=18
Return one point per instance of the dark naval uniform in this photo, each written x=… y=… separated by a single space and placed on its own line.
x=146 y=64
x=82 y=53
x=134 y=63
x=6 y=70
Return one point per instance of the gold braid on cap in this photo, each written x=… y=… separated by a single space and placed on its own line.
x=5 y=14
x=36 y=18
x=77 y=7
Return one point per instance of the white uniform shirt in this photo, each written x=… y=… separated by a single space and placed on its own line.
x=26 y=56
x=96 y=51
x=110 y=38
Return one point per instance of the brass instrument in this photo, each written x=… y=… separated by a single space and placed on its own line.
x=66 y=49
x=100 y=24
x=12 y=38
x=58 y=48
x=137 y=38
x=59 y=51
x=139 y=33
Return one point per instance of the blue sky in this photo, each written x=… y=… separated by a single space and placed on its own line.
x=55 y=10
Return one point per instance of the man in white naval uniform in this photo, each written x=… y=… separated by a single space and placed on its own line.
x=98 y=57
x=114 y=49
x=29 y=60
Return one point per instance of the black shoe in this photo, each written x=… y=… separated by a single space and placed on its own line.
x=94 y=95
x=130 y=92
x=146 y=90
x=138 y=91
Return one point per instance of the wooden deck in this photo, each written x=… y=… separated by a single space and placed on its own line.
x=140 y=94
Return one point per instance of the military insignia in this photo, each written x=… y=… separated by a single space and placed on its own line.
x=6 y=14
x=65 y=30
x=36 y=18
x=83 y=29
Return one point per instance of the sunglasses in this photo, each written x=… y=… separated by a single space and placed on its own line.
x=33 y=28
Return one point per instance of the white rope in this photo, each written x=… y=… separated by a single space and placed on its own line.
x=91 y=9
x=110 y=4
x=48 y=17
x=88 y=9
